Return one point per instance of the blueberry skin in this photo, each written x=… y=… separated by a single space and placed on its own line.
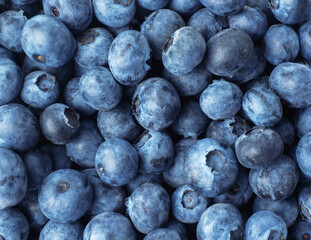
x=155 y=151
x=74 y=99
x=300 y=230
x=13 y=180
x=11 y=26
x=47 y=40
x=303 y=154
x=287 y=208
x=228 y=130
x=304 y=201
x=105 y=197
x=158 y=26
x=40 y=89
x=280 y=44
x=77 y=15
x=116 y=162
x=305 y=40
x=92 y=47
x=220 y=221
x=69 y=231
x=118 y=123
x=221 y=100
x=183 y=51
x=38 y=166
x=224 y=55
x=11 y=80
x=184 y=7
x=128 y=56
x=290 y=81
x=206 y=22
x=192 y=83
x=286 y=131
x=155 y=104
x=13 y=225
x=78 y=70
x=19 y=128
x=302 y=123
x=114 y=13
x=260 y=81
x=178 y=226
x=109 y=225
x=265 y=225
x=57 y=153
x=163 y=234
x=152 y=5
x=258 y=148
x=20 y=2
x=6 y=53
x=210 y=167
x=65 y=195
x=148 y=207
x=141 y=178
x=59 y=123
x=224 y=8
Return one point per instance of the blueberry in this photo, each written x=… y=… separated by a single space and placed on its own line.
x=184 y=7
x=179 y=227
x=6 y=53
x=220 y=221
x=152 y=5
x=224 y=8
x=301 y=230
x=304 y=200
x=59 y=123
x=20 y=2
x=163 y=234
x=4 y=5
x=210 y=167
x=155 y=104
x=141 y=178
x=65 y=196
x=305 y=40
x=302 y=123
x=260 y=81
x=148 y=207
x=47 y=40
x=286 y=131
x=29 y=8
x=303 y=154
x=57 y=153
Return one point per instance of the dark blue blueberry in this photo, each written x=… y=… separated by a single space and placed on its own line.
x=163 y=234
x=93 y=47
x=47 y=40
x=265 y=225
x=225 y=57
x=179 y=227
x=152 y=5
x=59 y=123
x=148 y=207
x=11 y=80
x=118 y=123
x=76 y=14
x=185 y=7
x=13 y=225
x=155 y=151
x=69 y=231
x=280 y=44
x=40 y=89
x=82 y=148
x=30 y=8
x=6 y=53
x=301 y=230
x=224 y=8
x=128 y=56
x=210 y=167
x=116 y=162
x=141 y=178
x=305 y=40
x=303 y=154
x=11 y=27
x=114 y=13
x=221 y=100
x=4 y=5
x=155 y=104
x=105 y=197
x=19 y=128
x=183 y=51
x=287 y=208
x=158 y=26
x=304 y=200
x=60 y=160
x=302 y=121
x=109 y=225
x=38 y=166
x=286 y=131
x=259 y=148
x=65 y=196
x=220 y=221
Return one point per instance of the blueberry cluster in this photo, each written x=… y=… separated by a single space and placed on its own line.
x=155 y=119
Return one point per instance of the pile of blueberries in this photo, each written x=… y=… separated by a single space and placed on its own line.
x=155 y=119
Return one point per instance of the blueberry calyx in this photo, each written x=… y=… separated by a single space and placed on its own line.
x=39 y=58
x=87 y=37
x=71 y=117
x=63 y=187
x=215 y=160
x=190 y=199
x=125 y=3
x=45 y=83
x=55 y=11
x=274 y=4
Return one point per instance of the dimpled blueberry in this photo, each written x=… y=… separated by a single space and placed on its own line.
x=47 y=40
x=224 y=8
x=303 y=154
x=19 y=128
x=301 y=230
x=13 y=225
x=259 y=148
x=127 y=57
x=99 y=89
x=302 y=121
x=183 y=51
x=158 y=26
x=286 y=131
x=224 y=53
x=65 y=195
x=114 y=13
x=163 y=234
x=11 y=80
x=305 y=40
x=185 y=7
x=152 y=5
x=221 y=100
x=155 y=104
x=265 y=225
x=116 y=162
x=210 y=167
x=109 y=225
x=148 y=207
x=220 y=221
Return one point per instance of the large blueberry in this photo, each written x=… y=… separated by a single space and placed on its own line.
x=224 y=8
x=305 y=40
x=185 y=7
x=303 y=154
x=163 y=234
